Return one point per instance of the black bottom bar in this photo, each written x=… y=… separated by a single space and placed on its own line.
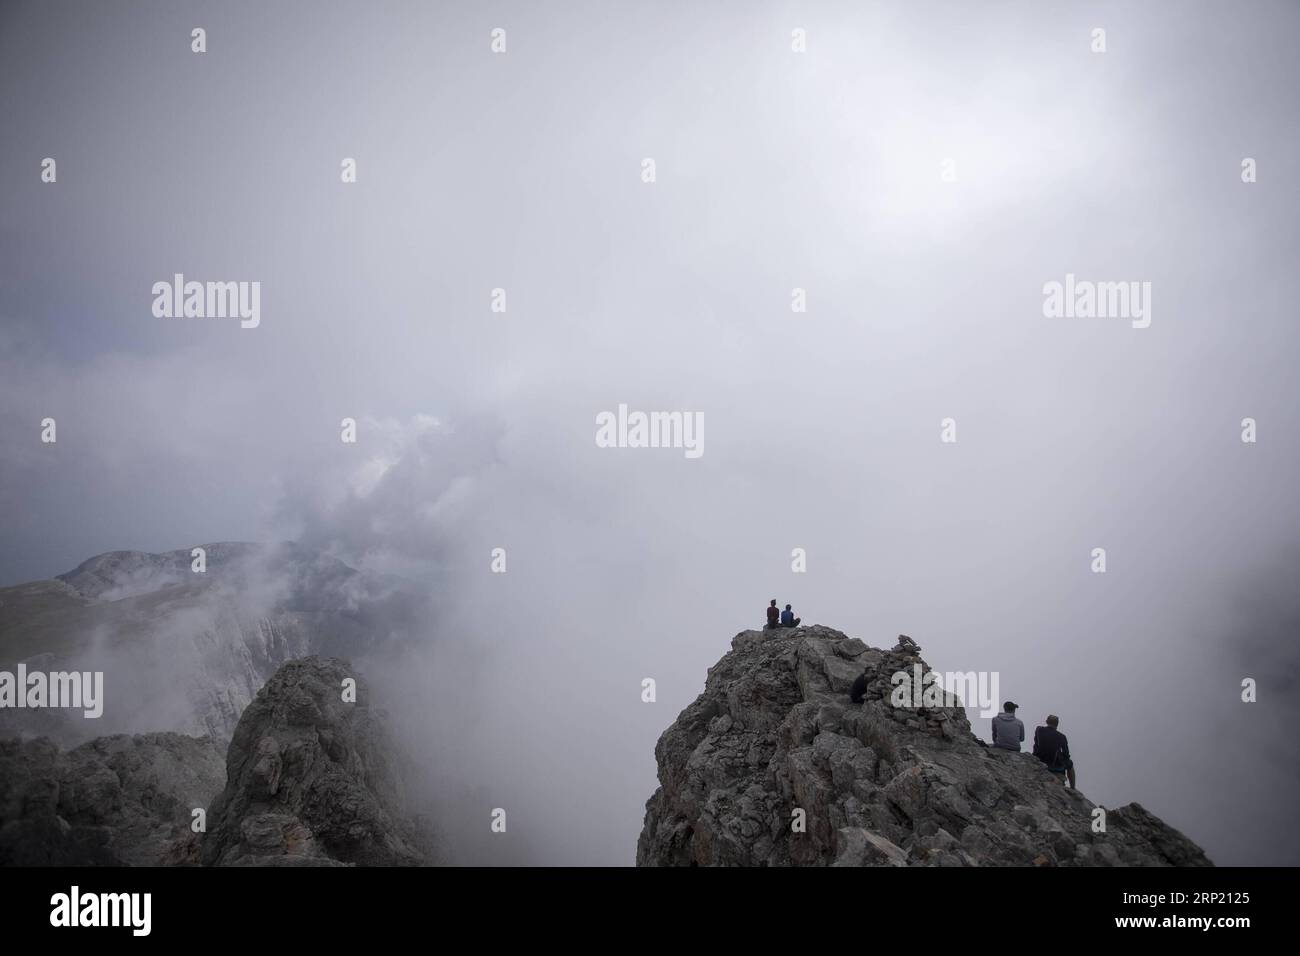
x=338 y=905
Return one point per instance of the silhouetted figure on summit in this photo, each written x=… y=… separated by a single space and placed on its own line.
x=788 y=619
x=1051 y=747
x=773 y=615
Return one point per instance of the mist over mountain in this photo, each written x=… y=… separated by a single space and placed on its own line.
x=819 y=177
x=185 y=650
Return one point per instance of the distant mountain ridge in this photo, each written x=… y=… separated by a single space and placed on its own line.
x=115 y=575
x=184 y=651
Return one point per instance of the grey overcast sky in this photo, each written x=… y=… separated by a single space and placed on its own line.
x=775 y=170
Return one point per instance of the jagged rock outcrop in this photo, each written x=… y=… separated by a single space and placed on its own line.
x=114 y=801
x=775 y=732
x=311 y=780
x=308 y=779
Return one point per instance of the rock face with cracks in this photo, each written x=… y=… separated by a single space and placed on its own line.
x=114 y=801
x=774 y=733
x=310 y=780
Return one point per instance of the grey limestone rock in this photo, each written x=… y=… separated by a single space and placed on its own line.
x=774 y=733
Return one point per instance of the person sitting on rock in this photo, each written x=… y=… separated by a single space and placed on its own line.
x=1008 y=731
x=788 y=619
x=1051 y=747
x=773 y=615
x=858 y=692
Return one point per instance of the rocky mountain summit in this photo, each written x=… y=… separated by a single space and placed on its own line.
x=775 y=733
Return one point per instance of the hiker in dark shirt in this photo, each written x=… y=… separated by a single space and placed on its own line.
x=1051 y=747
x=788 y=619
x=773 y=615
x=859 y=688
